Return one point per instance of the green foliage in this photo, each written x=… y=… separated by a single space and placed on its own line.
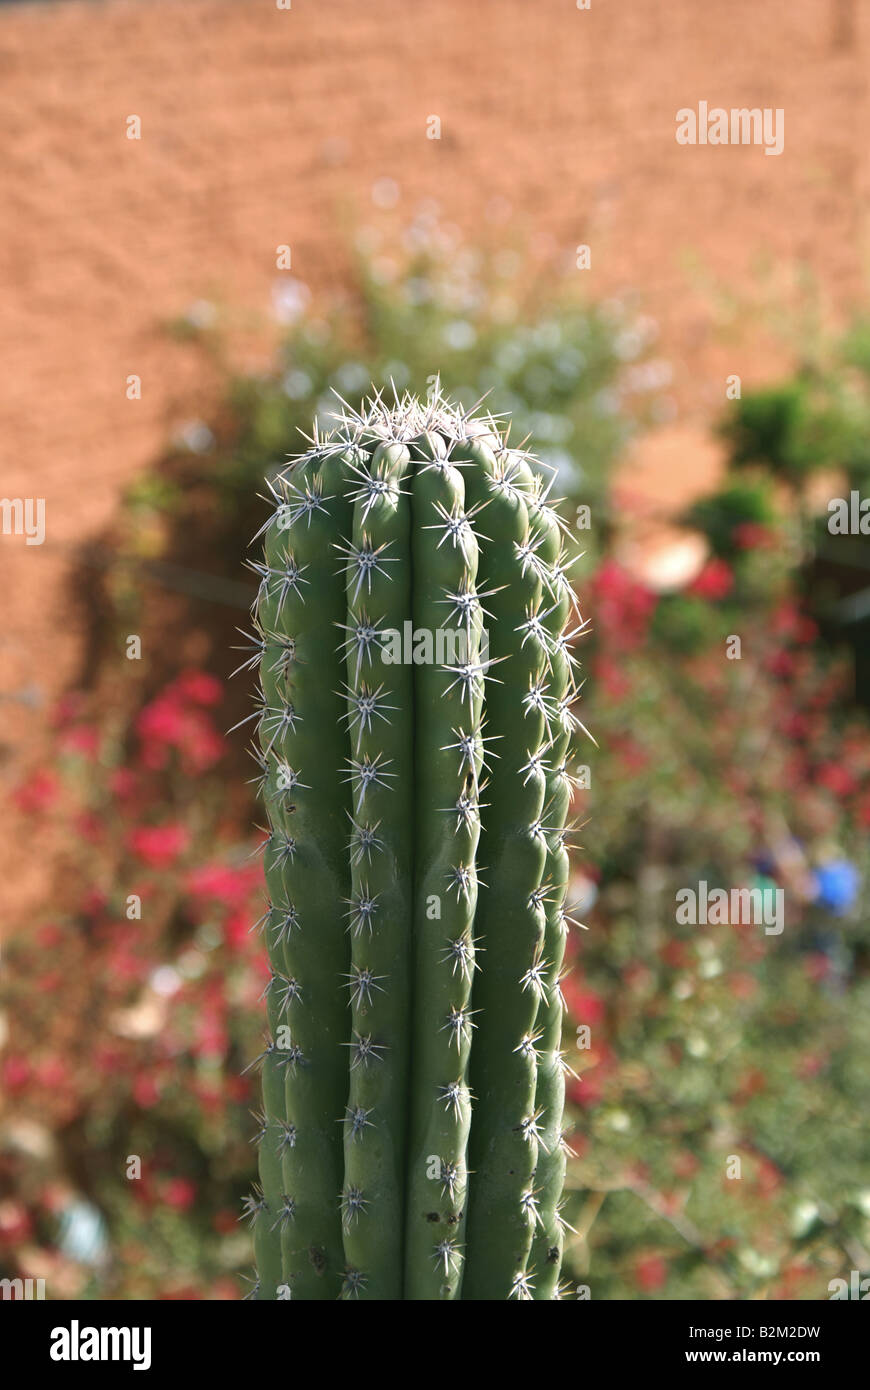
x=790 y=429
x=714 y=1041
x=574 y=376
x=738 y=503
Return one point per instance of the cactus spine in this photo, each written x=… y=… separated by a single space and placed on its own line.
x=414 y=733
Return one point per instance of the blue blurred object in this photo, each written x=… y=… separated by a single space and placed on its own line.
x=837 y=884
x=83 y=1233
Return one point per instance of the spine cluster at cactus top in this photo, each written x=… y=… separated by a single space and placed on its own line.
x=410 y=1144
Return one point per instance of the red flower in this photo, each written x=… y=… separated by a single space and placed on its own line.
x=675 y=954
x=237 y=930
x=789 y=622
x=650 y=1272
x=686 y=1164
x=88 y=826
x=123 y=783
x=145 y=1091
x=180 y=1193
x=781 y=663
x=623 y=607
x=768 y=1179
x=15 y=1223
x=167 y=723
x=16 y=1073
x=225 y=1290
x=162 y=721
x=159 y=845
x=584 y=1005
x=52 y=1072
x=752 y=535
x=225 y=1222
x=199 y=687
x=36 y=793
x=211 y=1037
x=67 y=708
x=715 y=580
x=587 y=1090
x=743 y=986
x=837 y=779
x=611 y=678
x=203 y=746
x=221 y=883
x=817 y=966
x=632 y=755
x=84 y=739
x=94 y=902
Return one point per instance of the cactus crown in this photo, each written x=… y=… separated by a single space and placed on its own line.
x=414 y=724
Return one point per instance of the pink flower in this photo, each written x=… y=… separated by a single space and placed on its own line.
x=145 y=1091
x=16 y=1073
x=167 y=723
x=199 y=687
x=67 y=708
x=650 y=1272
x=203 y=745
x=94 y=902
x=714 y=582
x=789 y=622
x=837 y=779
x=211 y=1036
x=15 y=1223
x=584 y=1005
x=752 y=535
x=36 y=793
x=159 y=845
x=623 y=607
x=52 y=1072
x=218 y=881
x=89 y=826
x=83 y=738
x=633 y=757
x=123 y=783
x=237 y=930
x=180 y=1193
x=611 y=678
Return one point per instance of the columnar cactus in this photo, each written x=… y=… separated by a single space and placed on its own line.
x=414 y=731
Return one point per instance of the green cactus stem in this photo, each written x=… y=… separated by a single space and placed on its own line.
x=414 y=736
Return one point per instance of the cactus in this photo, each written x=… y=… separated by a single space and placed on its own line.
x=414 y=731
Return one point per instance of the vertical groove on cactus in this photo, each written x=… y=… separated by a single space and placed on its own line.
x=448 y=702
x=379 y=721
x=414 y=725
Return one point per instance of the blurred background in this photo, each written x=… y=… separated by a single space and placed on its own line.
x=217 y=212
